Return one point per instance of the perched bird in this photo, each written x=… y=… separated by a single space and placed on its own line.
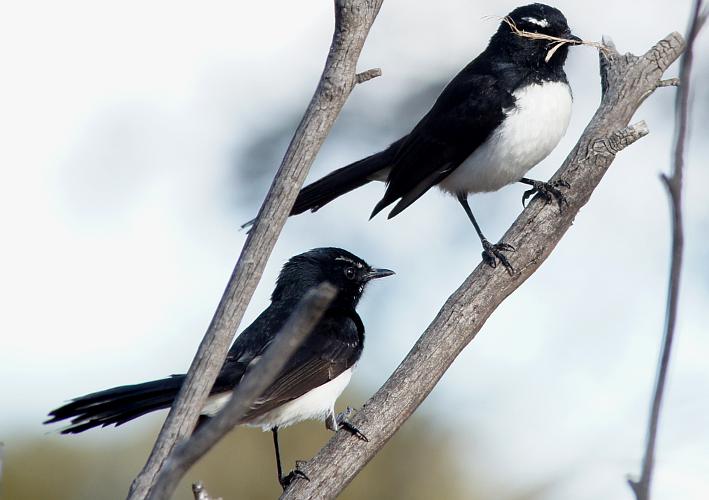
x=306 y=388
x=499 y=117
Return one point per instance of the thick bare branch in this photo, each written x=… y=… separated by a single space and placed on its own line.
x=353 y=19
x=255 y=382
x=627 y=80
x=673 y=183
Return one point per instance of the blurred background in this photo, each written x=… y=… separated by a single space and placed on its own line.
x=138 y=136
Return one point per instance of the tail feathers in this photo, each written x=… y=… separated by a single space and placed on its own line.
x=118 y=405
x=341 y=181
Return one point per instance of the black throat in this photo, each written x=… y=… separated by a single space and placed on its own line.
x=518 y=61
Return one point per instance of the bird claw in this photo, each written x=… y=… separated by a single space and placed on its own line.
x=493 y=253
x=342 y=423
x=293 y=475
x=549 y=191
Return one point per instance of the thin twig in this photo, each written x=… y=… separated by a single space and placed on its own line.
x=365 y=76
x=353 y=19
x=670 y=82
x=259 y=378
x=201 y=493
x=673 y=183
x=627 y=80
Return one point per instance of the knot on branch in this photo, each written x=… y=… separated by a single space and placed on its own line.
x=619 y=140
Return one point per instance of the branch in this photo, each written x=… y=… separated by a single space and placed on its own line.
x=201 y=493
x=627 y=80
x=259 y=378
x=353 y=19
x=641 y=487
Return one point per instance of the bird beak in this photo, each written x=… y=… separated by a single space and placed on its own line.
x=574 y=38
x=373 y=273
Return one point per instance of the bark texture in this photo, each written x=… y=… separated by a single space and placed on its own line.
x=254 y=383
x=627 y=80
x=353 y=19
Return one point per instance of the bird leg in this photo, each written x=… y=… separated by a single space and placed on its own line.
x=491 y=253
x=334 y=423
x=285 y=481
x=548 y=190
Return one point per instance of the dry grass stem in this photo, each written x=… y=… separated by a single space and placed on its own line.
x=560 y=41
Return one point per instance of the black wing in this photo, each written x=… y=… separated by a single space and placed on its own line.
x=334 y=346
x=462 y=118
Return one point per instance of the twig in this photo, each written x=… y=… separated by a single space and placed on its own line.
x=365 y=76
x=201 y=493
x=673 y=183
x=627 y=80
x=255 y=382
x=670 y=82
x=353 y=19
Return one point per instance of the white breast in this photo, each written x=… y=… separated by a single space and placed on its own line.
x=530 y=131
x=315 y=404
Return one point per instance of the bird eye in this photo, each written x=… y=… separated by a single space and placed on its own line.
x=350 y=273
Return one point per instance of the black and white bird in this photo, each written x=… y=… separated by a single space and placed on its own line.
x=306 y=388
x=499 y=117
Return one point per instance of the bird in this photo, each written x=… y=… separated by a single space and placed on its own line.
x=306 y=388
x=500 y=116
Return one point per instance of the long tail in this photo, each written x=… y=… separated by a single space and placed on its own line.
x=118 y=405
x=341 y=181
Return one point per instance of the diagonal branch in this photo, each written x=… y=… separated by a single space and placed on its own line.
x=673 y=183
x=627 y=80
x=353 y=19
x=301 y=322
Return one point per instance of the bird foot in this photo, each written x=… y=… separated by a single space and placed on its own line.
x=343 y=423
x=549 y=191
x=293 y=475
x=493 y=253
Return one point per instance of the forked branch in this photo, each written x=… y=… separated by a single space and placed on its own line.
x=627 y=80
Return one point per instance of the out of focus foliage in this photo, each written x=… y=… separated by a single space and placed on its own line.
x=418 y=463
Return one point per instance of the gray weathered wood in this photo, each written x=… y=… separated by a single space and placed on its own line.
x=626 y=81
x=259 y=378
x=353 y=19
x=200 y=492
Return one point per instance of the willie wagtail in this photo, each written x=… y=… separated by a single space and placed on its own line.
x=499 y=117
x=306 y=388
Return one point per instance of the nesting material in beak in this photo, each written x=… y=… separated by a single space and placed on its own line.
x=573 y=40
x=554 y=48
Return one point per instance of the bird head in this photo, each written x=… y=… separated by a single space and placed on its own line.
x=345 y=271
x=534 y=19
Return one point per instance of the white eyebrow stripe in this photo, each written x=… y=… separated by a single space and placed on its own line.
x=543 y=22
x=347 y=259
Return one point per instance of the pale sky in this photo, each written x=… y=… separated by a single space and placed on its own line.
x=122 y=121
